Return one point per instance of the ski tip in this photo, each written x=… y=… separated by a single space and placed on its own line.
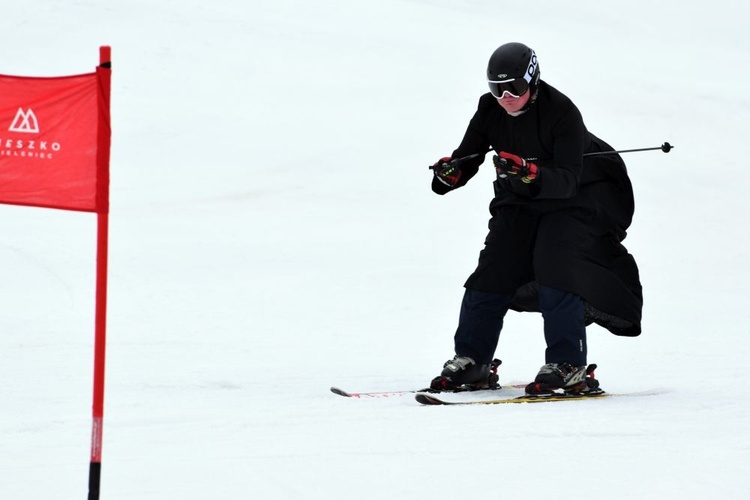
x=340 y=392
x=426 y=399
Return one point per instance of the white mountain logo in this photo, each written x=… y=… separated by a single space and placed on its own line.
x=25 y=121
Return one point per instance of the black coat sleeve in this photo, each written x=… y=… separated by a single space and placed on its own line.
x=561 y=180
x=475 y=141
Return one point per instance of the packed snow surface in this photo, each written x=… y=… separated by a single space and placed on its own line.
x=273 y=233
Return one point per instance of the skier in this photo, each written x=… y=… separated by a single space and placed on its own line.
x=555 y=236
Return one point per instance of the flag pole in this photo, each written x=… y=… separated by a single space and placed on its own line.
x=102 y=248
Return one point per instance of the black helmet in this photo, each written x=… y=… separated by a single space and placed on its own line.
x=513 y=68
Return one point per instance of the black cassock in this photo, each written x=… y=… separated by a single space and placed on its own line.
x=565 y=230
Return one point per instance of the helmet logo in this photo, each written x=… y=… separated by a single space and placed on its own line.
x=502 y=75
x=531 y=70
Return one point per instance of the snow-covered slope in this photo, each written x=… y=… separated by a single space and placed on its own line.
x=273 y=233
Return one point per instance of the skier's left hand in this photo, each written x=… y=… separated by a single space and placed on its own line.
x=509 y=164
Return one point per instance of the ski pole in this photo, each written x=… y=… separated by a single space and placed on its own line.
x=666 y=147
x=459 y=160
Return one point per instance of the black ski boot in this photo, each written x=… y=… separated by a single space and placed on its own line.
x=463 y=374
x=570 y=378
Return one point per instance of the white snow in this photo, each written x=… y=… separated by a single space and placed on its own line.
x=273 y=233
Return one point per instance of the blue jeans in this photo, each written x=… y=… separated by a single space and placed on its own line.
x=481 y=321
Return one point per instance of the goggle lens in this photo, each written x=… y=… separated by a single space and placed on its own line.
x=515 y=88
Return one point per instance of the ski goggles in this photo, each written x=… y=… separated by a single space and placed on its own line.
x=516 y=87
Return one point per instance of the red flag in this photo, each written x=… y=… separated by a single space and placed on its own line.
x=54 y=152
x=54 y=141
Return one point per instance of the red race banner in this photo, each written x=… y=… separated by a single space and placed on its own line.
x=51 y=133
x=54 y=152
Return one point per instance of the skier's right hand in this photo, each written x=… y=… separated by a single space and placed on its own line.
x=447 y=171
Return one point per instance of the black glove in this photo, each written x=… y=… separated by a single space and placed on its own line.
x=447 y=171
x=509 y=164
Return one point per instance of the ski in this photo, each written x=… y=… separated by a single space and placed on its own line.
x=377 y=394
x=430 y=400
x=390 y=394
x=438 y=385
